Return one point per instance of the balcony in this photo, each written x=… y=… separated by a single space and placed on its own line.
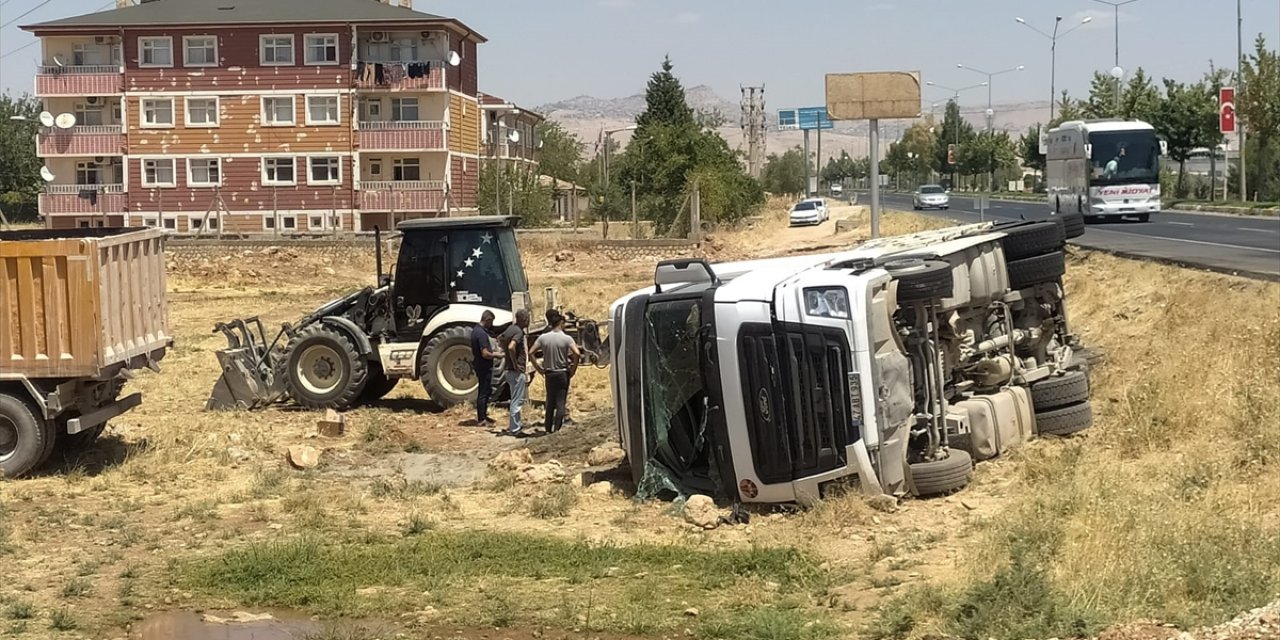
x=508 y=151
x=72 y=198
x=432 y=77
x=402 y=195
x=404 y=135
x=85 y=80
x=87 y=140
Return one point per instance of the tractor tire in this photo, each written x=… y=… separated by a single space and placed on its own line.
x=942 y=476
x=324 y=370
x=1027 y=240
x=1064 y=421
x=26 y=439
x=447 y=371
x=379 y=385
x=1060 y=391
x=1038 y=270
x=1072 y=225
x=921 y=280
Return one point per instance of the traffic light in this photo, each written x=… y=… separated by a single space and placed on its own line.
x=951 y=154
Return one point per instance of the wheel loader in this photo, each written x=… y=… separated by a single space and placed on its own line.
x=414 y=324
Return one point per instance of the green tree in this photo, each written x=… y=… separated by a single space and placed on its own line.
x=511 y=187
x=1139 y=97
x=986 y=153
x=711 y=118
x=561 y=153
x=1187 y=119
x=784 y=174
x=1068 y=109
x=1029 y=149
x=955 y=130
x=665 y=101
x=1258 y=105
x=19 y=165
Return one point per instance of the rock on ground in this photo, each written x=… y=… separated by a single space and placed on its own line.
x=701 y=511
x=513 y=460
x=551 y=471
x=606 y=455
x=304 y=457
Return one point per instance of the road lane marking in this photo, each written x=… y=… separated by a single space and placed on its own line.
x=1259 y=230
x=1181 y=224
x=1211 y=244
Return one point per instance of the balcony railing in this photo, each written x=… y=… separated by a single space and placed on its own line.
x=403 y=135
x=81 y=80
x=402 y=195
x=66 y=198
x=76 y=189
x=511 y=151
x=395 y=76
x=85 y=140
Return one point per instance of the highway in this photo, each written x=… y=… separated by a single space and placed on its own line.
x=1245 y=245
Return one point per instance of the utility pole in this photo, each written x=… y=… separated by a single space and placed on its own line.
x=806 y=164
x=1117 y=76
x=1240 y=89
x=753 y=127
x=1053 y=54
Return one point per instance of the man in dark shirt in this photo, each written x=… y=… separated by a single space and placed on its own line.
x=516 y=369
x=482 y=355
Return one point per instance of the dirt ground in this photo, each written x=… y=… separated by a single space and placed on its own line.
x=94 y=545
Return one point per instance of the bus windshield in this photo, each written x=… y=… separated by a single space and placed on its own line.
x=1124 y=157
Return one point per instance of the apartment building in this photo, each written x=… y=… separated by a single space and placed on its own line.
x=262 y=116
x=510 y=132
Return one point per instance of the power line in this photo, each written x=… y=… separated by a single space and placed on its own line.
x=9 y=53
x=29 y=12
x=37 y=40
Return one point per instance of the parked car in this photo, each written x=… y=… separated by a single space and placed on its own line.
x=931 y=196
x=809 y=211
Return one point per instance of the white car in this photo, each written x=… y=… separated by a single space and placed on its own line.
x=809 y=211
x=931 y=196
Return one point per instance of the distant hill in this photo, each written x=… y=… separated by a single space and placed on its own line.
x=701 y=98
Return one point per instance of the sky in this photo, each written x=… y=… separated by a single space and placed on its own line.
x=548 y=51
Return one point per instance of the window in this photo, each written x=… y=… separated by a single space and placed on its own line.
x=322 y=49
x=88 y=173
x=372 y=109
x=406 y=169
x=202 y=112
x=204 y=172
x=195 y=223
x=277 y=111
x=200 y=51
x=375 y=167
x=404 y=109
x=268 y=222
x=277 y=171
x=89 y=115
x=149 y=222
x=171 y=224
x=86 y=55
x=315 y=222
x=277 y=50
x=157 y=173
x=155 y=52
x=326 y=170
x=322 y=109
x=404 y=50
x=157 y=112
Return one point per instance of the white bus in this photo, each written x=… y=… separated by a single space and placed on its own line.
x=1104 y=169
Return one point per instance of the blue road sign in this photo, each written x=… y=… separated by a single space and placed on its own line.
x=814 y=118
x=788 y=119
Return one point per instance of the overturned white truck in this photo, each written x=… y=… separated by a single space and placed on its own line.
x=900 y=361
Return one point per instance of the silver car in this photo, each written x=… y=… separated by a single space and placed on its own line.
x=931 y=196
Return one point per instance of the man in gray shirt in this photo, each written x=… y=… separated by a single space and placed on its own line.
x=554 y=355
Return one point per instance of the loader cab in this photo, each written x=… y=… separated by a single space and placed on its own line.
x=450 y=261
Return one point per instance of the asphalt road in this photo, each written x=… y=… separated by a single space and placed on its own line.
x=1245 y=245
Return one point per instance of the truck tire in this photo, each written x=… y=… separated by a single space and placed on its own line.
x=1060 y=391
x=25 y=438
x=448 y=373
x=1026 y=240
x=1064 y=421
x=1072 y=225
x=378 y=386
x=1040 y=269
x=921 y=280
x=942 y=476
x=324 y=370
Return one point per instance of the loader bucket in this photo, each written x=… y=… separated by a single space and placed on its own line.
x=247 y=379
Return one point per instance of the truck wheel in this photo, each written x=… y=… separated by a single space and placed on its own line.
x=448 y=373
x=1072 y=225
x=942 y=476
x=1064 y=421
x=1060 y=391
x=921 y=280
x=25 y=439
x=1040 y=269
x=1026 y=240
x=379 y=385
x=324 y=370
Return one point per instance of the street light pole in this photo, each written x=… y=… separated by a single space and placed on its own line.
x=990 y=76
x=1244 y=190
x=1116 y=6
x=1053 y=54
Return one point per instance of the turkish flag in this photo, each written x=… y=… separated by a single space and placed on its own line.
x=1227 y=110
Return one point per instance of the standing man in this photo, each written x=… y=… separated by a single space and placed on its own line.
x=516 y=369
x=558 y=353
x=482 y=357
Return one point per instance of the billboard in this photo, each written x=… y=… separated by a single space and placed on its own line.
x=873 y=96
x=804 y=119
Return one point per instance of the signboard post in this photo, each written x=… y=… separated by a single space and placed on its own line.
x=806 y=119
x=874 y=96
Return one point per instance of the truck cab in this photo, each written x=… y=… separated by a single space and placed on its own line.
x=896 y=363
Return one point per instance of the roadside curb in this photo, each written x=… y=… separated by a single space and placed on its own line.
x=1182 y=264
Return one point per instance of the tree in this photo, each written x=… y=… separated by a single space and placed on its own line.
x=561 y=153
x=516 y=188
x=19 y=165
x=1029 y=149
x=711 y=118
x=986 y=153
x=1258 y=104
x=1187 y=119
x=955 y=130
x=1139 y=97
x=665 y=100
x=784 y=174
x=1068 y=109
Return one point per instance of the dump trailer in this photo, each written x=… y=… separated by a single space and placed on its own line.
x=79 y=311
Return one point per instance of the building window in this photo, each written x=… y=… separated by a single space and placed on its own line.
x=277 y=50
x=404 y=50
x=326 y=170
x=404 y=109
x=86 y=55
x=277 y=171
x=204 y=172
x=322 y=109
x=372 y=109
x=157 y=112
x=195 y=223
x=316 y=222
x=278 y=111
x=157 y=173
x=322 y=49
x=375 y=167
x=406 y=169
x=171 y=224
x=89 y=115
x=200 y=51
x=155 y=52
x=149 y=222
x=202 y=112
x=88 y=173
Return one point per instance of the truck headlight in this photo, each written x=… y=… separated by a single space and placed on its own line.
x=827 y=302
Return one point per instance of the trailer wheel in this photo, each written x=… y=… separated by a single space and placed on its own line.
x=1060 y=391
x=921 y=280
x=942 y=476
x=1026 y=240
x=1040 y=269
x=379 y=385
x=25 y=439
x=324 y=370
x=1065 y=421
x=448 y=373
x=1073 y=225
